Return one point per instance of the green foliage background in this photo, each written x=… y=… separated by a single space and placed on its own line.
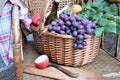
x=105 y=14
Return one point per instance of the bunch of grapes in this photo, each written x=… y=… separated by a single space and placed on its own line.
x=72 y=24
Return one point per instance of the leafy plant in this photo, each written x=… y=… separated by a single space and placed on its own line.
x=105 y=14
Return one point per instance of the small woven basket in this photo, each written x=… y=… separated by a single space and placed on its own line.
x=117 y=1
x=59 y=47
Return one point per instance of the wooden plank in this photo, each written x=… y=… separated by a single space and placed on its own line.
x=54 y=74
x=47 y=72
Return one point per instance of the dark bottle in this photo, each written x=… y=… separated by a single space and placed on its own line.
x=53 y=15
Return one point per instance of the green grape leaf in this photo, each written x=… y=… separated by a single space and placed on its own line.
x=118 y=29
x=83 y=5
x=98 y=31
x=117 y=19
x=88 y=5
x=97 y=16
x=113 y=9
x=103 y=22
x=108 y=16
x=111 y=27
x=106 y=9
x=95 y=4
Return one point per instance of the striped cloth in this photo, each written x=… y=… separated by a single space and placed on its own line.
x=6 y=42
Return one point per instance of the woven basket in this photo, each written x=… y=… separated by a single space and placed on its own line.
x=118 y=1
x=59 y=47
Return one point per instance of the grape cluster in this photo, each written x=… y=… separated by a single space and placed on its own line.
x=72 y=24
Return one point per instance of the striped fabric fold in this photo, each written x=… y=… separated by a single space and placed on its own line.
x=6 y=42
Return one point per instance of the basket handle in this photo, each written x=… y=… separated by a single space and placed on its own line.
x=30 y=6
x=43 y=13
x=84 y=1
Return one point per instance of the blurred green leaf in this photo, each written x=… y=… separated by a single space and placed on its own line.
x=102 y=22
x=88 y=5
x=111 y=27
x=98 y=31
x=118 y=29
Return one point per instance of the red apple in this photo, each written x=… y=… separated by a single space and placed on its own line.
x=35 y=19
x=42 y=61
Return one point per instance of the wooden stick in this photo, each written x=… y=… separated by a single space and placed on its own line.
x=118 y=36
x=17 y=37
x=30 y=6
x=81 y=1
x=102 y=40
x=18 y=61
x=117 y=46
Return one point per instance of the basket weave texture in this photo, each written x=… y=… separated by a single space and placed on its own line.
x=59 y=47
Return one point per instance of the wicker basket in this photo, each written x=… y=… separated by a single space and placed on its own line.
x=117 y=1
x=59 y=47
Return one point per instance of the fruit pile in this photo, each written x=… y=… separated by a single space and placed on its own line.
x=72 y=24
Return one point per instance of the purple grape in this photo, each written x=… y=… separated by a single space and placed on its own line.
x=85 y=22
x=80 y=46
x=72 y=19
x=66 y=28
x=60 y=22
x=68 y=31
x=74 y=29
x=75 y=33
x=88 y=26
x=77 y=18
x=89 y=22
x=80 y=27
x=75 y=24
x=64 y=12
x=75 y=46
x=94 y=25
x=50 y=28
x=95 y=22
x=68 y=23
x=62 y=32
x=57 y=20
x=79 y=22
x=80 y=37
x=75 y=15
x=53 y=32
x=85 y=36
x=61 y=16
x=65 y=15
x=81 y=31
x=79 y=41
x=66 y=18
x=89 y=31
x=54 y=23
x=63 y=27
x=58 y=28
x=54 y=28
x=84 y=43
x=68 y=14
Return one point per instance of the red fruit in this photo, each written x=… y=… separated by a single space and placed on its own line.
x=42 y=61
x=35 y=19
